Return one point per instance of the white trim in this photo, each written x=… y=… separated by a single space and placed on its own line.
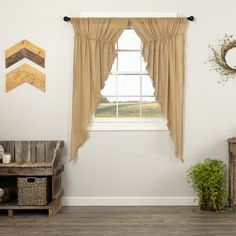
x=128 y=14
x=129 y=120
x=120 y=126
x=128 y=201
x=110 y=124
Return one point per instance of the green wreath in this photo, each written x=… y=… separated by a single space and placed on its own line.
x=218 y=60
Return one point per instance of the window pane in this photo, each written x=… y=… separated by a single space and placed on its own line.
x=129 y=40
x=128 y=85
x=148 y=99
x=128 y=61
x=129 y=107
x=147 y=88
x=150 y=108
x=110 y=86
x=107 y=107
x=128 y=96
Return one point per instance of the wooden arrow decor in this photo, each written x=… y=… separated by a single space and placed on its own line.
x=25 y=73
x=25 y=49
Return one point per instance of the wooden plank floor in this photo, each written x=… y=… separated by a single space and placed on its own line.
x=120 y=221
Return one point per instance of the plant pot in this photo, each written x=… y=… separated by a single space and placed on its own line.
x=205 y=207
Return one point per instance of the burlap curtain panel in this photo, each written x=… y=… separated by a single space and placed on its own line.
x=163 y=51
x=94 y=53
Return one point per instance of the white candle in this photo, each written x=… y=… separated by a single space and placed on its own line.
x=6 y=158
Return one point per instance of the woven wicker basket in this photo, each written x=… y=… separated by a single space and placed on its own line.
x=33 y=191
x=6 y=196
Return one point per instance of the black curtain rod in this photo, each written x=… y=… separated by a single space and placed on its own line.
x=66 y=18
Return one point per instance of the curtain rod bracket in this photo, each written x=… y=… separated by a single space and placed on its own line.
x=67 y=19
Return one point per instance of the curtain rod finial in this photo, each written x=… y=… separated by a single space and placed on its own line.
x=66 y=18
x=191 y=18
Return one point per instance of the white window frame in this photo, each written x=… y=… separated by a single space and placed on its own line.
x=113 y=124
x=134 y=124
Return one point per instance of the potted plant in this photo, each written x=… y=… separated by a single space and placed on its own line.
x=208 y=181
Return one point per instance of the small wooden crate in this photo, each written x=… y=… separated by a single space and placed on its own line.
x=33 y=191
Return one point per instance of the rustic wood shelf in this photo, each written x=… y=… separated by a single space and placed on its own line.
x=14 y=205
x=232 y=172
x=33 y=159
x=11 y=206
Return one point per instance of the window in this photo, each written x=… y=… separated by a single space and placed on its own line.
x=128 y=95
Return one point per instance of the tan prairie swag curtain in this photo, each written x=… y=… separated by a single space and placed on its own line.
x=94 y=53
x=163 y=51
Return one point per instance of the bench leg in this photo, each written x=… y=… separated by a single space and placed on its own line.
x=50 y=212
x=10 y=212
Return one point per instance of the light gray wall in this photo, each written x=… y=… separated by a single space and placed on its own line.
x=118 y=163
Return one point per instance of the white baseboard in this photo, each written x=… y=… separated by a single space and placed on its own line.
x=128 y=201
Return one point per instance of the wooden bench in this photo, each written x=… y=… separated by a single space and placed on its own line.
x=35 y=159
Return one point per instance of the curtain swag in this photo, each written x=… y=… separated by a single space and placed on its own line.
x=94 y=54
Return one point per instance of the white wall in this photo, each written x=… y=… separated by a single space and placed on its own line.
x=119 y=164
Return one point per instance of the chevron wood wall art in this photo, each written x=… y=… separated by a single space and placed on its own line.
x=25 y=73
x=25 y=49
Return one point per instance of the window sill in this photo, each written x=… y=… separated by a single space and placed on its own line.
x=159 y=124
